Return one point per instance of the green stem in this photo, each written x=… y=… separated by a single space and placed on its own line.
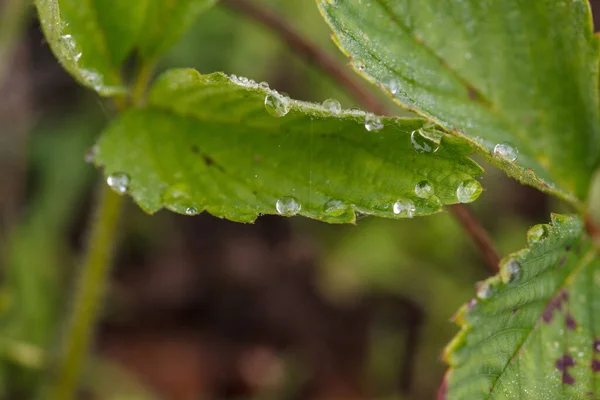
x=88 y=298
x=144 y=74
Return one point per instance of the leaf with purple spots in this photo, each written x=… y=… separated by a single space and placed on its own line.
x=550 y=348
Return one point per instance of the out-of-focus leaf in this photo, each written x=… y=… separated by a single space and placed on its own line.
x=533 y=332
x=208 y=142
x=166 y=22
x=91 y=38
x=519 y=74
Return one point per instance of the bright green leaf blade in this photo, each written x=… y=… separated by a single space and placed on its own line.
x=166 y=22
x=534 y=331
x=91 y=38
x=523 y=73
x=207 y=142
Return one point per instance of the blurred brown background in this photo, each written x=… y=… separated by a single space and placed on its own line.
x=201 y=308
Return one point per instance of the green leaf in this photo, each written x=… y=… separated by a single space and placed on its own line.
x=91 y=38
x=522 y=73
x=207 y=142
x=533 y=332
x=166 y=22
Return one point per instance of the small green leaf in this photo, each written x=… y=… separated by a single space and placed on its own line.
x=91 y=38
x=511 y=73
x=533 y=332
x=166 y=22
x=215 y=143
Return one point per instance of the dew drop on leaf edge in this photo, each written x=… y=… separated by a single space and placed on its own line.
x=506 y=151
x=468 y=191
x=510 y=271
x=404 y=208
x=424 y=190
x=373 y=123
x=119 y=182
x=191 y=211
x=288 y=206
x=483 y=289
x=276 y=105
x=335 y=208
x=394 y=86
x=332 y=105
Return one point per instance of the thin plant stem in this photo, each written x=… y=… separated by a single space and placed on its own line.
x=88 y=297
x=144 y=74
x=477 y=232
x=94 y=275
x=312 y=54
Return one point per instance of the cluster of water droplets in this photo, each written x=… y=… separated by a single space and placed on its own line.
x=424 y=141
x=70 y=49
x=72 y=53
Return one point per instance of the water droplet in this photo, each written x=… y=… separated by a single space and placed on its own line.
x=394 y=86
x=506 y=151
x=119 y=182
x=90 y=156
x=424 y=190
x=536 y=234
x=404 y=208
x=468 y=191
x=359 y=65
x=422 y=144
x=276 y=105
x=264 y=85
x=335 y=208
x=510 y=271
x=288 y=206
x=332 y=105
x=177 y=198
x=483 y=289
x=373 y=123
x=191 y=211
x=356 y=111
